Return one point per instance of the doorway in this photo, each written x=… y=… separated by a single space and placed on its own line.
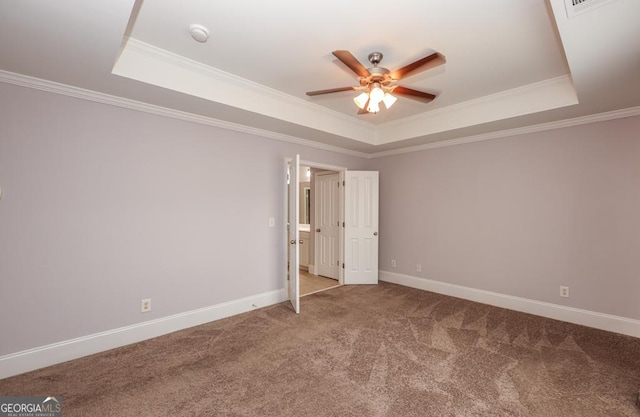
x=357 y=226
x=319 y=217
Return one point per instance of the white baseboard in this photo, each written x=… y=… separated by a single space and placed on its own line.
x=312 y=269
x=588 y=318
x=32 y=359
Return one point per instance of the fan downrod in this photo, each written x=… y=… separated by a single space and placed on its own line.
x=375 y=58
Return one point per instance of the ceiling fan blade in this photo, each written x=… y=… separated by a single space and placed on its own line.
x=413 y=94
x=350 y=61
x=331 y=90
x=423 y=64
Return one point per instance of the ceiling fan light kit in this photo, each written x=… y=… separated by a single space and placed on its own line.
x=378 y=82
x=371 y=99
x=361 y=100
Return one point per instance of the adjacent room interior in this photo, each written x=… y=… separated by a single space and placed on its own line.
x=323 y=208
x=466 y=179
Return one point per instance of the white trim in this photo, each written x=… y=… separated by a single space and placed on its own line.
x=324 y=166
x=216 y=75
x=83 y=94
x=102 y=98
x=146 y=63
x=577 y=121
x=588 y=318
x=31 y=359
x=594 y=118
x=285 y=226
x=541 y=96
x=483 y=101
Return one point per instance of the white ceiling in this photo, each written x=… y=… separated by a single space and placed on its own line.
x=510 y=64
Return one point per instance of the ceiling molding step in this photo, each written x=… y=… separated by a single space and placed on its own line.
x=94 y=96
x=532 y=98
x=226 y=77
x=147 y=63
x=144 y=62
x=514 y=92
x=594 y=118
x=102 y=98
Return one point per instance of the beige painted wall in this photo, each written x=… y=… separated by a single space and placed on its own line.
x=104 y=206
x=522 y=216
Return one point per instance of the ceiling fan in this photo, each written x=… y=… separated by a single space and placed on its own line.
x=377 y=83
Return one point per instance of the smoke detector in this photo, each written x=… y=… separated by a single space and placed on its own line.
x=199 y=33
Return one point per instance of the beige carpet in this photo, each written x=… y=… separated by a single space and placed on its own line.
x=381 y=350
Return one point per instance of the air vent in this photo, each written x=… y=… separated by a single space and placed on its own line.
x=577 y=7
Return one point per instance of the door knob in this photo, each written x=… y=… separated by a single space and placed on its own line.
x=293 y=241
x=318 y=230
x=375 y=233
x=301 y=241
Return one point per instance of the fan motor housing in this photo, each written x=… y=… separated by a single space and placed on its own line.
x=378 y=74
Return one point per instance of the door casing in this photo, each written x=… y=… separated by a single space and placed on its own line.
x=341 y=242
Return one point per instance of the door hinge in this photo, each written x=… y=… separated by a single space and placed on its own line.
x=343 y=183
x=338 y=263
x=342 y=224
x=338 y=224
x=343 y=265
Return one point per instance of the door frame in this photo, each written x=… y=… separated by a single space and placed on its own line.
x=285 y=216
x=293 y=233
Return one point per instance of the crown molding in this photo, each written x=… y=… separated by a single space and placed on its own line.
x=531 y=98
x=89 y=95
x=481 y=101
x=228 y=78
x=594 y=118
x=148 y=63
x=102 y=98
x=152 y=65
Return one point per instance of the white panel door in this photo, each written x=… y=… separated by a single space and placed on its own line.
x=294 y=234
x=327 y=224
x=361 y=227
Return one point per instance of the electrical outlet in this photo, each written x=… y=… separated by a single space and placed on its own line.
x=393 y=263
x=418 y=268
x=564 y=291
x=145 y=305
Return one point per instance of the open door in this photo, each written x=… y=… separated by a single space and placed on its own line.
x=361 y=227
x=327 y=223
x=294 y=234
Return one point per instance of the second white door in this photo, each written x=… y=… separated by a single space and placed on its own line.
x=361 y=227
x=327 y=224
